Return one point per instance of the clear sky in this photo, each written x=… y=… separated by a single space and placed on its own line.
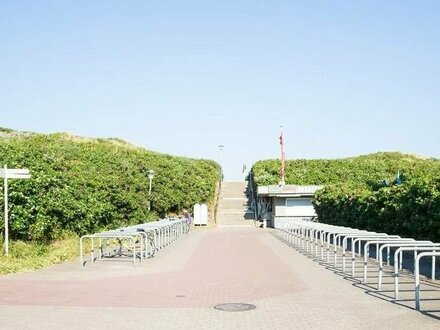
x=182 y=77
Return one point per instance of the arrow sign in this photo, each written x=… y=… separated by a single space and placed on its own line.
x=14 y=173
x=10 y=173
x=14 y=170
x=15 y=176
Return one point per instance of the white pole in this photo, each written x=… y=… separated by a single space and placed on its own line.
x=5 y=193
x=283 y=158
x=417 y=282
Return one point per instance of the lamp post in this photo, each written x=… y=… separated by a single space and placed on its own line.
x=221 y=146
x=150 y=178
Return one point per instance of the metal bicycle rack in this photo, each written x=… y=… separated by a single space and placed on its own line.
x=378 y=242
x=434 y=247
x=398 y=245
x=417 y=274
x=366 y=238
x=143 y=240
x=100 y=237
x=318 y=239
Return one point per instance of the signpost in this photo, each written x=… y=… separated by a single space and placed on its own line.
x=10 y=173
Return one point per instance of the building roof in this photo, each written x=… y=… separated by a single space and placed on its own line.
x=287 y=190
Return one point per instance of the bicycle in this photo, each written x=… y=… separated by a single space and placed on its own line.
x=124 y=246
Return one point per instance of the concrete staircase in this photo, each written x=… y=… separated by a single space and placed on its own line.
x=233 y=206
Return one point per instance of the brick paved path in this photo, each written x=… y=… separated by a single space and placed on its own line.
x=178 y=288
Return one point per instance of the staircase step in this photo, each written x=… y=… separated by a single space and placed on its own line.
x=233 y=207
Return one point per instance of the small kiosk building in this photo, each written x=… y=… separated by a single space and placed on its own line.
x=283 y=202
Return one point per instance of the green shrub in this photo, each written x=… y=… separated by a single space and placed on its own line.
x=355 y=195
x=84 y=185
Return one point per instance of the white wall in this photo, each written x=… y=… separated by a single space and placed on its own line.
x=288 y=207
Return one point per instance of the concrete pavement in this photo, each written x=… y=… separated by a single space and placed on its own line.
x=178 y=289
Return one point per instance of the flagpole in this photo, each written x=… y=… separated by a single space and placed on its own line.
x=283 y=158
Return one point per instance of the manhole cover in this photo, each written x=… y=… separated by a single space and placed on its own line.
x=234 y=307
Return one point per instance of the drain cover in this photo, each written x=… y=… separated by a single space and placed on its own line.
x=234 y=307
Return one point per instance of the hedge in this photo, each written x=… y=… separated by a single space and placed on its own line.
x=364 y=192
x=84 y=185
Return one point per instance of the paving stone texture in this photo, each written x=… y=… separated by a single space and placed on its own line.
x=179 y=287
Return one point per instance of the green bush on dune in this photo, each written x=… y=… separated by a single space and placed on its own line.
x=389 y=192
x=82 y=185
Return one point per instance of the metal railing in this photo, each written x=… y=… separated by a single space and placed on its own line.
x=318 y=240
x=417 y=274
x=136 y=242
x=398 y=262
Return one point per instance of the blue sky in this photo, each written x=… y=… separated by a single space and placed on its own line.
x=344 y=78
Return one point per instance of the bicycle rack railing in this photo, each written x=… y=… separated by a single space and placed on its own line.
x=434 y=247
x=147 y=233
x=353 y=236
x=101 y=236
x=150 y=237
x=417 y=274
x=378 y=242
x=390 y=245
x=365 y=239
x=317 y=240
x=145 y=251
x=359 y=240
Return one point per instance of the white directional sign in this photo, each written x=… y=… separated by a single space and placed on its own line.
x=14 y=173
x=10 y=173
x=14 y=170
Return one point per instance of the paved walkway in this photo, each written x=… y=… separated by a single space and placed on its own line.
x=178 y=288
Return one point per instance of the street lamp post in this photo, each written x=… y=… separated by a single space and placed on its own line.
x=150 y=178
x=221 y=146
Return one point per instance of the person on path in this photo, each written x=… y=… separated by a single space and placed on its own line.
x=188 y=218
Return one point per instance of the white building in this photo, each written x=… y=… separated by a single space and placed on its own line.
x=279 y=203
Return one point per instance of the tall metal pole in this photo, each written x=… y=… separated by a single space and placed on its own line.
x=149 y=194
x=150 y=178
x=283 y=158
x=5 y=193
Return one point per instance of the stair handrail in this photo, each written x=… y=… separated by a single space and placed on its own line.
x=253 y=199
